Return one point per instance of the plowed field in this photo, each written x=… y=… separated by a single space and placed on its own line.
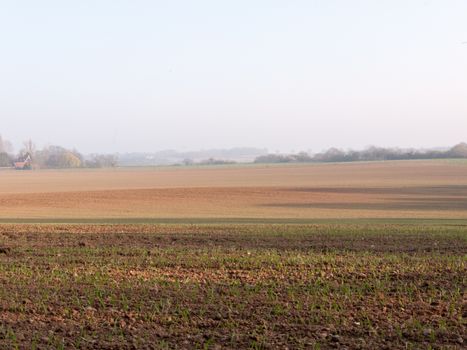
x=428 y=189
x=336 y=256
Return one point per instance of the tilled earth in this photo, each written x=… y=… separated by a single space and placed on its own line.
x=392 y=189
x=355 y=286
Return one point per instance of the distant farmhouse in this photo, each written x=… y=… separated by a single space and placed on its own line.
x=25 y=163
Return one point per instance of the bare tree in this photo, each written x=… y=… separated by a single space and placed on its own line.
x=5 y=146
x=29 y=147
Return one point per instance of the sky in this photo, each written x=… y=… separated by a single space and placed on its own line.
x=125 y=76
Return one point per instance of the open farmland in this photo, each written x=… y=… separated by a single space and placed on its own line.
x=233 y=286
x=404 y=189
x=348 y=256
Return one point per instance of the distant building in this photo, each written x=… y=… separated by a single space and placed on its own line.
x=24 y=164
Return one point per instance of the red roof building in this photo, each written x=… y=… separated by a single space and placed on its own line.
x=24 y=164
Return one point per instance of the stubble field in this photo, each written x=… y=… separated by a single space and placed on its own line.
x=356 y=256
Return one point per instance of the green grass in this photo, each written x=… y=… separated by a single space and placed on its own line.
x=354 y=285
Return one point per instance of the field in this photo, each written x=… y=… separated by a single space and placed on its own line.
x=348 y=256
x=424 y=189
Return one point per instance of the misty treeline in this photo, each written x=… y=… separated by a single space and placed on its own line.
x=51 y=157
x=369 y=154
x=199 y=157
x=210 y=161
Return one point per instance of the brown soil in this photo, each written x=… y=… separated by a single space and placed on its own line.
x=232 y=287
x=364 y=190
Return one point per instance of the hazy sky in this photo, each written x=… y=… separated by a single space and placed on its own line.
x=114 y=75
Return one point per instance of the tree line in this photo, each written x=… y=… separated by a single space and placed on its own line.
x=369 y=154
x=52 y=157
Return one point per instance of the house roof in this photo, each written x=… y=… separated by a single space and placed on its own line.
x=21 y=165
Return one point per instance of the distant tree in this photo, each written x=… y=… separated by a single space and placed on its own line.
x=188 y=161
x=303 y=157
x=369 y=154
x=5 y=160
x=459 y=151
x=29 y=147
x=332 y=155
x=5 y=146
x=213 y=161
x=70 y=160
x=58 y=157
x=274 y=158
x=101 y=161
